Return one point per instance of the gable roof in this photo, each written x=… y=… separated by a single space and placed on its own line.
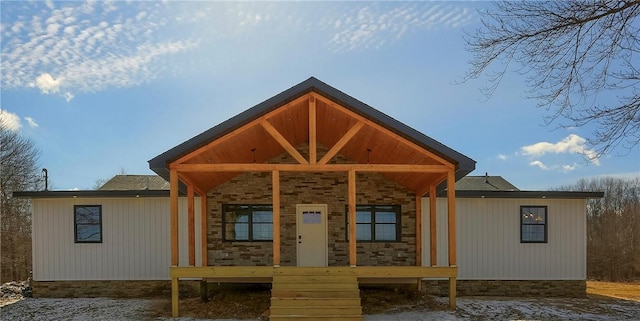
x=464 y=165
x=484 y=183
x=135 y=182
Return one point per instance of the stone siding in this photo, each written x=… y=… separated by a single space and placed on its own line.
x=110 y=289
x=546 y=288
x=310 y=188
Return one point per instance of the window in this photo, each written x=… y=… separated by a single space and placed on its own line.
x=376 y=223
x=533 y=224
x=247 y=222
x=88 y=223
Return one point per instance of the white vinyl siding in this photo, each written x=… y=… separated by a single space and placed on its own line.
x=488 y=240
x=136 y=243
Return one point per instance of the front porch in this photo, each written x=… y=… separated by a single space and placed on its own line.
x=265 y=274
x=311 y=177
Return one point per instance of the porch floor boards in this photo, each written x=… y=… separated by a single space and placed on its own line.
x=315 y=293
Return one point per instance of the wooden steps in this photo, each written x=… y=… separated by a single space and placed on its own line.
x=315 y=293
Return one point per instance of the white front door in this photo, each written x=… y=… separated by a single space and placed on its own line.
x=311 y=223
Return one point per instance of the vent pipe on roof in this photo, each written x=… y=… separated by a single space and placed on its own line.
x=147 y=188
x=486 y=177
x=45 y=173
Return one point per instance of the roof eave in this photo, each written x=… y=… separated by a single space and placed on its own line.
x=528 y=194
x=91 y=193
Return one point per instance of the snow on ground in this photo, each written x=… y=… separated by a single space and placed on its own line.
x=469 y=308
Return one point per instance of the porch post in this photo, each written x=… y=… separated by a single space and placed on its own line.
x=451 y=212
x=203 y=229
x=419 y=236
x=451 y=215
x=173 y=195
x=174 y=296
x=191 y=225
x=275 y=182
x=352 y=218
x=433 y=230
x=418 y=230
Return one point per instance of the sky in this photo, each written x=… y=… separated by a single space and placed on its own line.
x=101 y=87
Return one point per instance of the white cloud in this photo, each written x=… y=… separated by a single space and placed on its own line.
x=10 y=120
x=78 y=48
x=17 y=27
x=32 y=123
x=141 y=15
x=560 y=168
x=573 y=144
x=69 y=30
x=378 y=24
x=502 y=157
x=53 y=28
x=540 y=165
x=47 y=84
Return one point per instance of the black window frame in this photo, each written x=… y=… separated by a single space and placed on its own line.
x=398 y=223
x=75 y=223
x=545 y=223
x=250 y=223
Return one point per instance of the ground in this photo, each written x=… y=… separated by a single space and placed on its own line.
x=606 y=301
x=626 y=291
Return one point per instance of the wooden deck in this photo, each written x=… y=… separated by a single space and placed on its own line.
x=270 y=274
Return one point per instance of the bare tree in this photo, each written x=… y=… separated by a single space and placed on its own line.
x=18 y=172
x=571 y=52
x=613 y=228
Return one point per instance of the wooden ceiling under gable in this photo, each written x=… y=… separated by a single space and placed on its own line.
x=311 y=124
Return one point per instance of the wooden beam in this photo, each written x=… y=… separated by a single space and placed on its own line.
x=418 y=230
x=352 y=218
x=283 y=142
x=240 y=130
x=343 y=141
x=371 y=272
x=191 y=225
x=174 y=297
x=266 y=167
x=452 y=293
x=433 y=229
x=173 y=195
x=188 y=181
x=313 y=145
x=451 y=215
x=203 y=229
x=275 y=178
x=222 y=272
x=384 y=130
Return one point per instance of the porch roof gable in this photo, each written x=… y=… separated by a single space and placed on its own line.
x=462 y=163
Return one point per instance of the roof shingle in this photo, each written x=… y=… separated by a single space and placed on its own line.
x=135 y=183
x=484 y=183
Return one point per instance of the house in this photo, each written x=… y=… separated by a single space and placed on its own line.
x=310 y=182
